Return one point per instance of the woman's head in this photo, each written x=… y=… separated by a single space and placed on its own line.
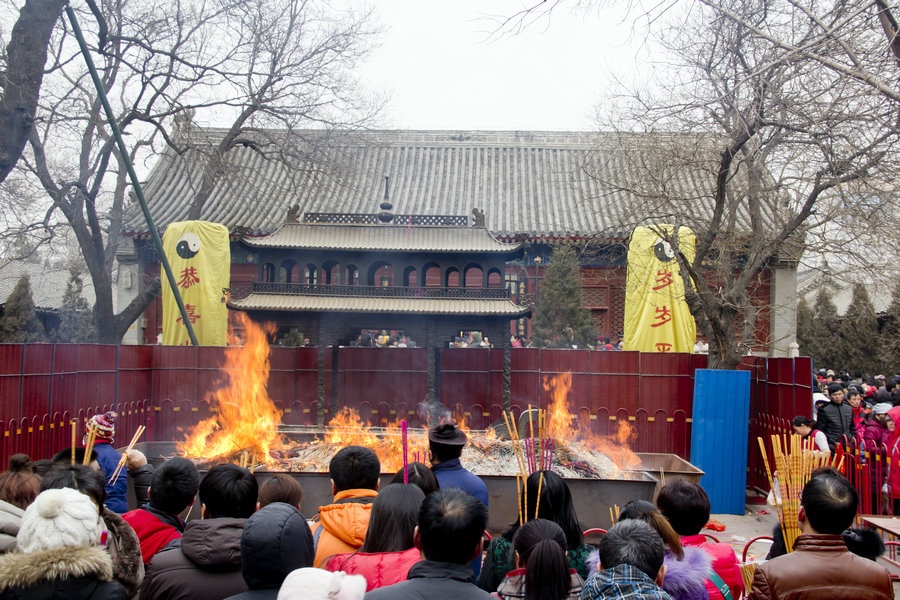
x=393 y=519
x=540 y=548
x=420 y=475
x=650 y=514
x=281 y=488
x=555 y=504
x=801 y=425
x=19 y=485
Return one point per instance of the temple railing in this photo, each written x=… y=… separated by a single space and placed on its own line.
x=376 y=291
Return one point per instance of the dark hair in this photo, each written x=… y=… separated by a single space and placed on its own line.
x=445 y=452
x=541 y=546
x=393 y=519
x=830 y=503
x=228 y=490
x=65 y=456
x=419 y=475
x=685 y=505
x=834 y=388
x=174 y=485
x=78 y=477
x=632 y=542
x=355 y=467
x=41 y=466
x=556 y=505
x=651 y=515
x=801 y=421
x=19 y=486
x=451 y=525
x=281 y=487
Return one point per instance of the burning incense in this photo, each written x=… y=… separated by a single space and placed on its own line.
x=405 y=442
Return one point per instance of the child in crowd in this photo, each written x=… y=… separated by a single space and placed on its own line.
x=108 y=457
x=141 y=474
x=542 y=571
x=318 y=584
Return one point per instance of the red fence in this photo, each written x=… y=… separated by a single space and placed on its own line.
x=44 y=386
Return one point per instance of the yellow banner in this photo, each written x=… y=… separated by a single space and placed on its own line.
x=657 y=318
x=200 y=256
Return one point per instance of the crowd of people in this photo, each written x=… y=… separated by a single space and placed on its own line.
x=421 y=536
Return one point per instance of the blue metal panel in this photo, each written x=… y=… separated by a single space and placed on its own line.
x=719 y=436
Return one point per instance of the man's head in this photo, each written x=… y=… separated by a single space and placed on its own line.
x=446 y=442
x=451 y=526
x=227 y=490
x=354 y=468
x=836 y=392
x=174 y=485
x=685 y=505
x=633 y=542
x=828 y=504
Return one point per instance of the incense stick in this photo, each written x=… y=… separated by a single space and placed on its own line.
x=537 y=506
x=89 y=446
x=124 y=458
x=74 y=428
x=403 y=427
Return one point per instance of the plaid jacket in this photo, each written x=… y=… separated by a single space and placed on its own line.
x=623 y=581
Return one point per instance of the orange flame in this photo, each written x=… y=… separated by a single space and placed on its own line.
x=245 y=417
x=563 y=426
x=348 y=429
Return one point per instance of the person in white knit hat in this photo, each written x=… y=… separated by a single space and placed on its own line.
x=57 y=555
x=318 y=584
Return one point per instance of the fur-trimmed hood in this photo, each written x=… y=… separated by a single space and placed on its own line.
x=20 y=570
x=686 y=578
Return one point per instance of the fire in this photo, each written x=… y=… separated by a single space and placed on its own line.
x=348 y=429
x=563 y=426
x=245 y=419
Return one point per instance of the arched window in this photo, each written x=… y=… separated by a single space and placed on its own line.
x=474 y=276
x=286 y=272
x=451 y=277
x=381 y=274
x=351 y=275
x=268 y=273
x=331 y=272
x=432 y=275
x=495 y=279
x=311 y=276
x=410 y=277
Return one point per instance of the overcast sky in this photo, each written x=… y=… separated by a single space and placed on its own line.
x=444 y=70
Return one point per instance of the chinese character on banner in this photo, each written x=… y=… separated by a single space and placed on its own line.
x=190 y=309
x=189 y=277
x=657 y=317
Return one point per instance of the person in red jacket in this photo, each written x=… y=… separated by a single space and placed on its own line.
x=388 y=552
x=172 y=490
x=686 y=506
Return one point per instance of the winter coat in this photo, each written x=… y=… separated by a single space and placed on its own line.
x=432 y=580
x=125 y=549
x=451 y=474
x=513 y=585
x=499 y=561
x=116 y=493
x=379 y=568
x=207 y=565
x=623 y=581
x=79 y=573
x=836 y=420
x=276 y=541
x=154 y=529
x=342 y=525
x=140 y=480
x=893 y=453
x=876 y=433
x=821 y=567
x=10 y=520
x=686 y=579
x=724 y=563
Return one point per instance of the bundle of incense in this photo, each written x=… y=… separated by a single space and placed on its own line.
x=613 y=514
x=747 y=572
x=510 y=419
x=89 y=445
x=794 y=464
x=121 y=465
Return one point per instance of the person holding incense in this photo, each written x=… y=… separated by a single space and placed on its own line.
x=554 y=503
x=820 y=565
x=102 y=430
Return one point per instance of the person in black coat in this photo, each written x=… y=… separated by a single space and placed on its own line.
x=835 y=419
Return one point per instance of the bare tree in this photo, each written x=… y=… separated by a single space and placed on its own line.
x=255 y=65
x=769 y=145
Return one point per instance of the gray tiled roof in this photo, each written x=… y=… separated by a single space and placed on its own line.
x=423 y=306
x=527 y=183
x=397 y=238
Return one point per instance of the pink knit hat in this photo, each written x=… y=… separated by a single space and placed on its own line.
x=104 y=425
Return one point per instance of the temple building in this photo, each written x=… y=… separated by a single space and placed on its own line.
x=425 y=235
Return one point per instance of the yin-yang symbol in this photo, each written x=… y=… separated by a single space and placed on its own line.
x=188 y=245
x=663 y=250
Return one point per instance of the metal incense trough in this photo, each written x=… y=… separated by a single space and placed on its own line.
x=592 y=497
